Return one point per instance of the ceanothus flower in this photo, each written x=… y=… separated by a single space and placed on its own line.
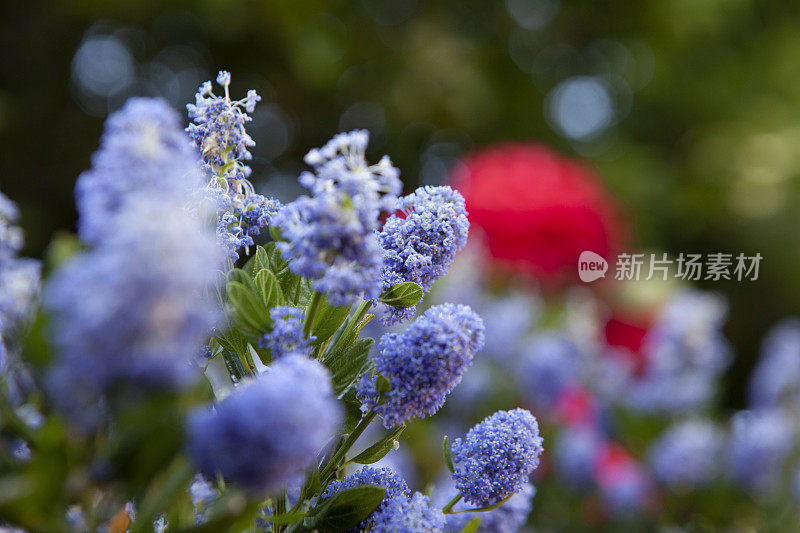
x=330 y=237
x=548 y=365
x=396 y=488
x=286 y=336
x=759 y=446
x=202 y=493
x=218 y=132
x=776 y=378
x=423 y=364
x=687 y=455
x=135 y=308
x=408 y=514
x=624 y=485
x=420 y=244
x=19 y=277
x=143 y=152
x=685 y=352
x=266 y=433
x=11 y=238
x=508 y=518
x=497 y=456
x=575 y=452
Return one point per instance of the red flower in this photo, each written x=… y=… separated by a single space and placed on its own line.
x=628 y=336
x=538 y=210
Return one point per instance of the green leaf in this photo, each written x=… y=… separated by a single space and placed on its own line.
x=251 y=314
x=257 y=262
x=295 y=288
x=237 y=274
x=403 y=294
x=284 y=519
x=163 y=492
x=382 y=385
x=345 y=509
x=472 y=526
x=448 y=459
x=352 y=411
x=378 y=451
x=230 y=512
x=233 y=341
x=327 y=320
x=268 y=288
x=348 y=365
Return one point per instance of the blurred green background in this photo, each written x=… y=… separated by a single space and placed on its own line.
x=689 y=109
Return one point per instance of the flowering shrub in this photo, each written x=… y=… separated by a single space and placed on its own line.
x=177 y=375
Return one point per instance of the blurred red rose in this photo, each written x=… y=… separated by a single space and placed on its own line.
x=538 y=210
x=627 y=335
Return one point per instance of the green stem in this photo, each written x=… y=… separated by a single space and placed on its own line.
x=448 y=509
x=316 y=301
x=342 y=451
x=361 y=311
x=280 y=508
x=9 y=420
x=484 y=509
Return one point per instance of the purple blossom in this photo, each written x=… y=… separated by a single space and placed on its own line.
x=396 y=488
x=497 y=456
x=687 y=455
x=548 y=365
x=330 y=237
x=685 y=354
x=760 y=443
x=421 y=244
x=776 y=378
x=424 y=363
x=133 y=309
x=218 y=132
x=286 y=336
x=267 y=432
x=143 y=152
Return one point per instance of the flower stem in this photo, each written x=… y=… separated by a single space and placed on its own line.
x=448 y=509
x=280 y=508
x=361 y=310
x=313 y=307
x=345 y=447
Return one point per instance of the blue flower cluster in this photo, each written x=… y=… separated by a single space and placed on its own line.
x=395 y=486
x=409 y=514
x=760 y=444
x=574 y=455
x=19 y=277
x=143 y=152
x=775 y=381
x=685 y=353
x=267 y=432
x=548 y=365
x=507 y=518
x=420 y=244
x=134 y=308
x=399 y=510
x=218 y=132
x=19 y=289
x=688 y=454
x=286 y=336
x=330 y=237
x=497 y=456
x=424 y=363
x=202 y=494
